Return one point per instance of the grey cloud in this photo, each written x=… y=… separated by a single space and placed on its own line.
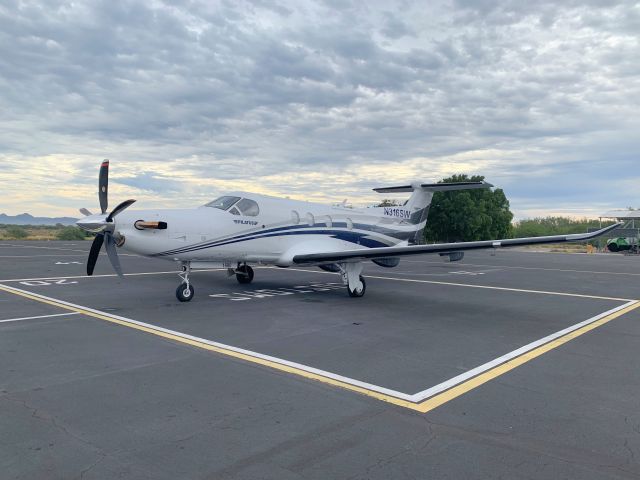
x=394 y=27
x=260 y=87
x=151 y=182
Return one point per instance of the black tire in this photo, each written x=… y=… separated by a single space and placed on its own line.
x=613 y=247
x=246 y=275
x=185 y=294
x=356 y=294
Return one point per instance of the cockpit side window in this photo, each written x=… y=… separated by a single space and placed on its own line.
x=223 y=203
x=248 y=207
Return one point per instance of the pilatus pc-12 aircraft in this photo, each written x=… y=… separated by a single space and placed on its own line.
x=242 y=229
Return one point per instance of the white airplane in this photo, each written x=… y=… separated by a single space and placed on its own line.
x=242 y=229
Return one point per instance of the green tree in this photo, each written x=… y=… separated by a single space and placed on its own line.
x=468 y=215
x=70 y=233
x=536 y=227
x=16 y=233
x=387 y=202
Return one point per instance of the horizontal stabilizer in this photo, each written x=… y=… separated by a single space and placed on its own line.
x=434 y=187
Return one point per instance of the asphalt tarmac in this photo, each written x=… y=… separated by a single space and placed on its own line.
x=513 y=365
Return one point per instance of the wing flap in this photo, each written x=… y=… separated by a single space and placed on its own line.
x=382 y=252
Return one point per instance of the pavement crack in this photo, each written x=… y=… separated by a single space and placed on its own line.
x=549 y=450
x=50 y=419
x=632 y=455
x=92 y=466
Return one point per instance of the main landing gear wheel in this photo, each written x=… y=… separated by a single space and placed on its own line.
x=244 y=274
x=358 y=292
x=185 y=292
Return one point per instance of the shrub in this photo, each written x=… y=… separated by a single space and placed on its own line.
x=16 y=232
x=70 y=233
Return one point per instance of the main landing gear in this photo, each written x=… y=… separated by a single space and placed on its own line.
x=244 y=274
x=356 y=286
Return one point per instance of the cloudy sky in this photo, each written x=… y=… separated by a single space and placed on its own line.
x=319 y=100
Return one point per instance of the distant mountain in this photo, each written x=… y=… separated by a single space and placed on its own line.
x=26 y=219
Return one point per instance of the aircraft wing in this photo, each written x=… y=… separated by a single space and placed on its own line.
x=386 y=252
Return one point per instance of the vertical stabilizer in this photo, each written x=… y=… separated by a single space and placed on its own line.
x=416 y=209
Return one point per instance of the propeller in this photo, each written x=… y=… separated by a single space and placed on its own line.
x=103 y=224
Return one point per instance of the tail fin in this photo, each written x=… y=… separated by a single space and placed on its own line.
x=419 y=202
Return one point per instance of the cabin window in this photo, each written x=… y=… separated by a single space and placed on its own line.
x=248 y=207
x=223 y=203
x=311 y=221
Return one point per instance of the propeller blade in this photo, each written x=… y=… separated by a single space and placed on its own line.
x=85 y=212
x=103 y=186
x=120 y=208
x=113 y=254
x=94 y=252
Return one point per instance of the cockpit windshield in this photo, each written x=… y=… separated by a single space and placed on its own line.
x=223 y=203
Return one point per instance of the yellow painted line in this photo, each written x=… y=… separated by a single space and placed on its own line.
x=223 y=351
x=423 y=406
x=437 y=400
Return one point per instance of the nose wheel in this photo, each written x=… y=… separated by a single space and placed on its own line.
x=185 y=290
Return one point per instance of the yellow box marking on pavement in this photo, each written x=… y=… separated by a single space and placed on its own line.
x=437 y=400
x=422 y=406
x=230 y=353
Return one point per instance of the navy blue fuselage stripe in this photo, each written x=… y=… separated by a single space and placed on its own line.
x=353 y=237
x=256 y=234
x=268 y=233
x=224 y=241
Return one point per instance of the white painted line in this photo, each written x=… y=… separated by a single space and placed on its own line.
x=110 y=275
x=83 y=254
x=470 y=285
x=506 y=289
x=39 y=316
x=417 y=397
x=44 y=255
x=495 y=266
x=8 y=245
x=452 y=382
x=269 y=358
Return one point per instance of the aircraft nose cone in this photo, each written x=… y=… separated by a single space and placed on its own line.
x=83 y=224
x=93 y=223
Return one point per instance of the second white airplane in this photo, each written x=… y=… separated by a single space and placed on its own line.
x=242 y=229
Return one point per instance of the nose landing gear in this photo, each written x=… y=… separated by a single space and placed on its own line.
x=185 y=290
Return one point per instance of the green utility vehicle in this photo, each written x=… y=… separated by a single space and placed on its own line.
x=622 y=244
